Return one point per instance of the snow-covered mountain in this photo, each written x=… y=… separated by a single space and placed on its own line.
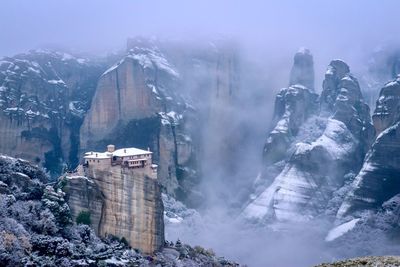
x=317 y=140
x=327 y=160
x=43 y=98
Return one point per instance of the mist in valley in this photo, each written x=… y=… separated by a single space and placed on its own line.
x=254 y=42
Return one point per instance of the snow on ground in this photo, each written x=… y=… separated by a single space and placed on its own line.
x=340 y=230
x=72 y=177
x=56 y=82
x=179 y=218
x=113 y=67
x=294 y=188
x=170 y=117
x=336 y=139
x=148 y=58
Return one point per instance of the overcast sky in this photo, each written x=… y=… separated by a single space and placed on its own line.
x=272 y=31
x=99 y=24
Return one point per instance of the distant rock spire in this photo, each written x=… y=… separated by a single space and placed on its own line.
x=293 y=106
x=303 y=69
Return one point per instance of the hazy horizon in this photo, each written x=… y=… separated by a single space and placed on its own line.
x=268 y=35
x=268 y=31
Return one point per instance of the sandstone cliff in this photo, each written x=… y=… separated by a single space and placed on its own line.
x=43 y=96
x=122 y=202
x=82 y=194
x=36 y=228
x=137 y=104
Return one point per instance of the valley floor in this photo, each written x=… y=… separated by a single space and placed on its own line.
x=373 y=261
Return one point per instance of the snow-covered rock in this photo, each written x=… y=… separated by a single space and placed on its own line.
x=312 y=173
x=340 y=230
x=378 y=180
x=315 y=152
x=43 y=96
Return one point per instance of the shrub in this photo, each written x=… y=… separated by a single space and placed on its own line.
x=83 y=217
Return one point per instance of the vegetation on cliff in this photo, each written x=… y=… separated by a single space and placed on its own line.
x=36 y=229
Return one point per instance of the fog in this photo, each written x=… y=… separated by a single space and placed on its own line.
x=268 y=33
x=270 y=30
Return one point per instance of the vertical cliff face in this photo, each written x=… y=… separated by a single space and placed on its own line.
x=318 y=149
x=123 y=93
x=83 y=194
x=43 y=96
x=378 y=180
x=133 y=207
x=123 y=202
x=137 y=103
x=219 y=137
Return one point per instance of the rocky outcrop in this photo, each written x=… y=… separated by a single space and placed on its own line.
x=293 y=106
x=82 y=194
x=303 y=69
x=315 y=160
x=349 y=106
x=377 y=180
x=125 y=92
x=137 y=104
x=371 y=261
x=331 y=88
x=310 y=176
x=122 y=202
x=43 y=96
x=20 y=178
x=341 y=96
x=36 y=229
x=387 y=110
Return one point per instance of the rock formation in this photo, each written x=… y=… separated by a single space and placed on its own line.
x=44 y=96
x=51 y=108
x=82 y=194
x=378 y=180
x=303 y=69
x=136 y=104
x=36 y=228
x=219 y=136
x=365 y=261
x=293 y=106
x=315 y=150
x=123 y=202
x=387 y=110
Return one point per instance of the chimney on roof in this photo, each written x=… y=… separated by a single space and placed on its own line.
x=148 y=148
x=110 y=148
x=124 y=150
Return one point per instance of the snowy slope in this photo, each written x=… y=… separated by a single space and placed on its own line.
x=297 y=192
